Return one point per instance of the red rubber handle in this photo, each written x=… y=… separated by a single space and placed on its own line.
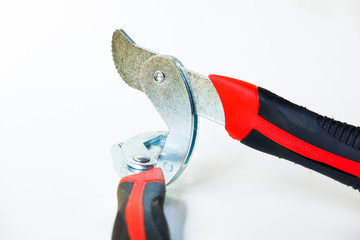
x=140 y=207
x=266 y=122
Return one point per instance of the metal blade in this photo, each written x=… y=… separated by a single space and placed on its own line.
x=128 y=58
x=205 y=97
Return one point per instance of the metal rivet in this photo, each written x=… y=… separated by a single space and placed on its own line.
x=142 y=159
x=159 y=76
x=168 y=166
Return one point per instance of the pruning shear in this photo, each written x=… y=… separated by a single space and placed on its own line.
x=252 y=115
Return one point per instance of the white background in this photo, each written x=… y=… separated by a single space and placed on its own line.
x=63 y=105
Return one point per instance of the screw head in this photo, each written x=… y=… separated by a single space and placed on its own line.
x=159 y=76
x=141 y=159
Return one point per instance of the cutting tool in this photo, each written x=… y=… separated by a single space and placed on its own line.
x=252 y=115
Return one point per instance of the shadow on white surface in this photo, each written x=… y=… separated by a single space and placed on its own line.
x=175 y=212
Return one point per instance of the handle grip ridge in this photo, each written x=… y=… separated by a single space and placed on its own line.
x=344 y=132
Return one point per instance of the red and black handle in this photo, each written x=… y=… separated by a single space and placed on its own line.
x=264 y=121
x=140 y=213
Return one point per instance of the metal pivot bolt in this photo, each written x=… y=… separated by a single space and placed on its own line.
x=159 y=76
x=138 y=153
x=142 y=159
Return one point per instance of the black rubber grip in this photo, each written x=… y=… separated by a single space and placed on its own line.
x=155 y=221
x=258 y=141
x=327 y=134
x=120 y=231
x=149 y=223
x=333 y=136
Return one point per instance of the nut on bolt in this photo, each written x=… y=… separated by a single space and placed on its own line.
x=141 y=159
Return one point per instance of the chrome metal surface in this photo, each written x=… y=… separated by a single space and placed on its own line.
x=146 y=145
x=142 y=159
x=173 y=100
x=159 y=76
x=205 y=97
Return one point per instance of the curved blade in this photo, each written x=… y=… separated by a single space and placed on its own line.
x=128 y=58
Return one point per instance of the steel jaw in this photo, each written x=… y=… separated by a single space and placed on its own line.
x=164 y=81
